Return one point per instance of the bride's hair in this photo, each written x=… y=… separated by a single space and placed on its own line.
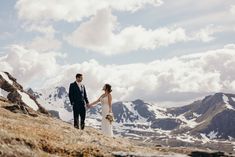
x=108 y=88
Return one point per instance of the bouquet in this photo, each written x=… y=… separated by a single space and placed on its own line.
x=109 y=117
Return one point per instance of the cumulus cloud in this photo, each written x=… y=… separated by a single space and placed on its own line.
x=232 y=9
x=168 y=80
x=43 y=28
x=74 y=10
x=206 y=34
x=44 y=43
x=99 y=34
x=29 y=65
x=173 y=80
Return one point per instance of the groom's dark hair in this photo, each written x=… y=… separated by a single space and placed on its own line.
x=78 y=75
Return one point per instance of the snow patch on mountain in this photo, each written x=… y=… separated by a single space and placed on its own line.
x=205 y=139
x=27 y=100
x=196 y=115
x=226 y=101
x=188 y=139
x=4 y=75
x=190 y=123
x=130 y=106
x=159 y=111
x=233 y=99
x=212 y=135
x=52 y=99
x=3 y=93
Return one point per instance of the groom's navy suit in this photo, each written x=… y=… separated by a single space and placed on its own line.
x=78 y=99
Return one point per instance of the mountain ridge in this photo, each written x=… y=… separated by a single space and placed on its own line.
x=186 y=124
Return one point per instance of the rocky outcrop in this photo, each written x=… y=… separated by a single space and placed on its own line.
x=15 y=93
x=54 y=113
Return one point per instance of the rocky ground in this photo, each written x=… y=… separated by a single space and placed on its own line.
x=37 y=134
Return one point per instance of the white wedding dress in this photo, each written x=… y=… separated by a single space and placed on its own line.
x=106 y=126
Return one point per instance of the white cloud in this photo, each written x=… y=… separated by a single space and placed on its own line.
x=176 y=79
x=43 y=28
x=172 y=80
x=99 y=35
x=29 y=65
x=232 y=9
x=206 y=34
x=44 y=43
x=74 y=10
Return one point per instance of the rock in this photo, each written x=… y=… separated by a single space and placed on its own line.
x=54 y=113
x=8 y=83
x=17 y=109
x=208 y=154
x=14 y=97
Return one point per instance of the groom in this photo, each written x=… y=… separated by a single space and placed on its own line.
x=78 y=99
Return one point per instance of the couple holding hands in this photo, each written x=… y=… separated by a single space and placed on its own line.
x=79 y=101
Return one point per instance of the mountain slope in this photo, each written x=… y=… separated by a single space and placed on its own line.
x=53 y=137
x=196 y=118
x=212 y=115
x=203 y=123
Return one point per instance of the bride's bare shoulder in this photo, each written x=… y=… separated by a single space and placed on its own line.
x=110 y=95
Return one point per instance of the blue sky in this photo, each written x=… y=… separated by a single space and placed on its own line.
x=110 y=37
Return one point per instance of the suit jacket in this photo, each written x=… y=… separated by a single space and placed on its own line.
x=76 y=96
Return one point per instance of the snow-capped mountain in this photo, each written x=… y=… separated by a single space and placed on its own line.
x=56 y=101
x=214 y=116
x=209 y=120
x=201 y=116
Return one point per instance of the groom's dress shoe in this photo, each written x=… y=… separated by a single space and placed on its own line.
x=77 y=127
x=82 y=126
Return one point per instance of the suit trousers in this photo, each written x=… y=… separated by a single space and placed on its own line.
x=79 y=111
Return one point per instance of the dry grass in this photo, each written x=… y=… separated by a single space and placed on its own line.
x=24 y=135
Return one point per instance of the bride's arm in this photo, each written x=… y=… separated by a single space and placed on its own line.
x=110 y=103
x=95 y=102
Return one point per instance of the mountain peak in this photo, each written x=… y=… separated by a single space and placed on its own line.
x=138 y=101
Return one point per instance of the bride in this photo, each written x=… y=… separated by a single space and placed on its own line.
x=106 y=104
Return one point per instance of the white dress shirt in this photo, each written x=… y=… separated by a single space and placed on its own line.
x=80 y=86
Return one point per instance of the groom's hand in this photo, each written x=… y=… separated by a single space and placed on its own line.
x=87 y=106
